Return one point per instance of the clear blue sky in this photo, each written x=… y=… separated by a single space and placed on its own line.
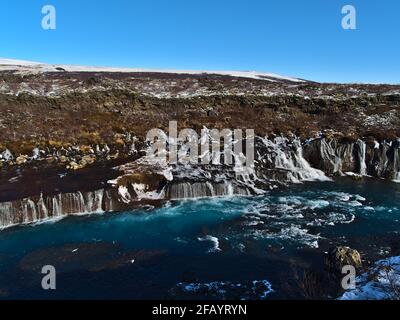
x=301 y=38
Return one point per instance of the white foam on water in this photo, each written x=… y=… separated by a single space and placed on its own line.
x=50 y=220
x=317 y=204
x=296 y=233
x=359 y=198
x=213 y=240
x=249 y=290
x=355 y=203
x=341 y=196
x=292 y=233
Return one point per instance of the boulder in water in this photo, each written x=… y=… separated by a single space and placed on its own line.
x=342 y=256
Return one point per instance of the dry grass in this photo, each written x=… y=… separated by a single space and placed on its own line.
x=96 y=116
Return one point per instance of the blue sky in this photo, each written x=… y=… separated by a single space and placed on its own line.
x=291 y=37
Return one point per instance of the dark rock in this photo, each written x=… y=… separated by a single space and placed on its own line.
x=341 y=256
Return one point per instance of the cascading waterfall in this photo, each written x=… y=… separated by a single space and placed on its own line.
x=97 y=205
x=57 y=206
x=211 y=188
x=396 y=162
x=377 y=159
x=381 y=164
x=189 y=190
x=36 y=209
x=331 y=156
x=305 y=171
x=28 y=206
x=7 y=214
x=328 y=154
x=279 y=159
x=289 y=157
x=362 y=147
x=245 y=175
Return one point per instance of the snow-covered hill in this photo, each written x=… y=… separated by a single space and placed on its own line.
x=37 y=67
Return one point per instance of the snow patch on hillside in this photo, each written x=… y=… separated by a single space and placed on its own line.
x=36 y=67
x=382 y=282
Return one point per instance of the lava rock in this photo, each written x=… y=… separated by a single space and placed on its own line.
x=341 y=256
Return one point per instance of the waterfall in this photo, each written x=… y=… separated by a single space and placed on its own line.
x=383 y=161
x=40 y=208
x=378 y=159
x=43 y=211
x=396 y=162
x=185 y=190
x=211 y=188
x=98 y=197
x=362 y=166
x=57 y=206
x=188 y=190
x=8 y=214
x=305 y=171
x=29 y=207
x=74 y=203
x=288 y=156
x=328 y=154
x=335 y=157
x=279 y=159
